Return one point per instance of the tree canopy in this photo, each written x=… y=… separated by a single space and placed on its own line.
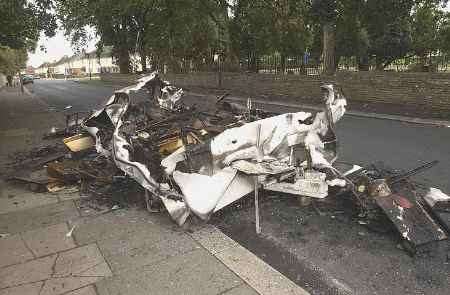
x=178 y=32
x=22 y=22
x=21 y=25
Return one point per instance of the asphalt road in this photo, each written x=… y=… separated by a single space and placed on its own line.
x=331 y=248
x=58 y=94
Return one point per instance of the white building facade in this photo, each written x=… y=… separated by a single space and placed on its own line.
x=79 y=66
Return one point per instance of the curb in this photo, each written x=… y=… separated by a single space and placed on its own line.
x=405 y=119
x=260 y=276
x=412 y=120
x=33 y=96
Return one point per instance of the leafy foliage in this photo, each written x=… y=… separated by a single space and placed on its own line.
x=444 y=34
x=22 y=22
x=180 y=33
x=426 y=25
x=12 y=60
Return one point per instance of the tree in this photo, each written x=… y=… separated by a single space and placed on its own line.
x=428 y=25
x=289 y=28
x=351 y=36
x=269 y=27
x=250 y=30
x=325 y=12
x=12 y=60
x=113 y=21
x=22 y=22
x=399 y=27
x=444 y=35
x=20 y=27
x=426 y=21
x=180 y=33
x=167 y=30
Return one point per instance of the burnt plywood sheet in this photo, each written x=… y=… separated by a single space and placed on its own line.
x=410 y=218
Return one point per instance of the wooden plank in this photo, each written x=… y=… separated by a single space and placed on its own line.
x=409 y=216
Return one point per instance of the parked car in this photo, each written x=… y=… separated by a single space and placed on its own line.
x=27 y=79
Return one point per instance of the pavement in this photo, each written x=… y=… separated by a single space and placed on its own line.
x=49 y=244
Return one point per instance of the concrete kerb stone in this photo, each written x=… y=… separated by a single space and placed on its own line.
x=264 y=279
x=39 y=101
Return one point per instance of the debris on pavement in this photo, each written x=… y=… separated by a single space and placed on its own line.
x=437 y=200
x=380 y=192
x=70 y=232
x=439 y=204
x=72 y=127
x=193 y=162
x=79 y=142
x=34 y=184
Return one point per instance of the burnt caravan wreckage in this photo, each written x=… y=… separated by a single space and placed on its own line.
x=208 y=165
x=196 y=163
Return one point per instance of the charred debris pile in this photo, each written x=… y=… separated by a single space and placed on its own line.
x=192 y=163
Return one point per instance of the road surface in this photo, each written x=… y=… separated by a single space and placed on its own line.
x=58 y=94
x=329 y=248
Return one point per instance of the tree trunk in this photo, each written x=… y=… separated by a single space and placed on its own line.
x=253 y=63
x=283 y=63
x=143 y=60
x=379 y=64
x=124 y=61
x=363 y=63
x=329 y=65
x=337 y=59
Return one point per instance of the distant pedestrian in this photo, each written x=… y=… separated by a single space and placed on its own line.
x=9 y=80
x=21 y=83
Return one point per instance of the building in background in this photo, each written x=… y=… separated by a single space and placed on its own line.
x=84 y=64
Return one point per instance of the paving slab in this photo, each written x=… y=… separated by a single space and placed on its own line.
x=13 y=250
x=57 y=286
x=115 y=224
x=144 y=247
x=258 y=274
x=241 y=290
x=196 y=272
x=20 y=221
x=13 y=198
x=28 y=289
x=89 y=290
x=81 y=262
x=76 y=268
x=28 y=272
x=48 y=240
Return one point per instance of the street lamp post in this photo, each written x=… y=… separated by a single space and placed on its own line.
x=90 y=69
x=88 y=56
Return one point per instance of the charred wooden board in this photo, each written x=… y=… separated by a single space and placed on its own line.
x=409 y=217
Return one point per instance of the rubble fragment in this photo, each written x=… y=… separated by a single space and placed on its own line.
x=79 y=142
x=379 y=188
x=437 y=200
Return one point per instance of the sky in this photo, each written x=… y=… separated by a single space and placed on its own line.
x=58 y=46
